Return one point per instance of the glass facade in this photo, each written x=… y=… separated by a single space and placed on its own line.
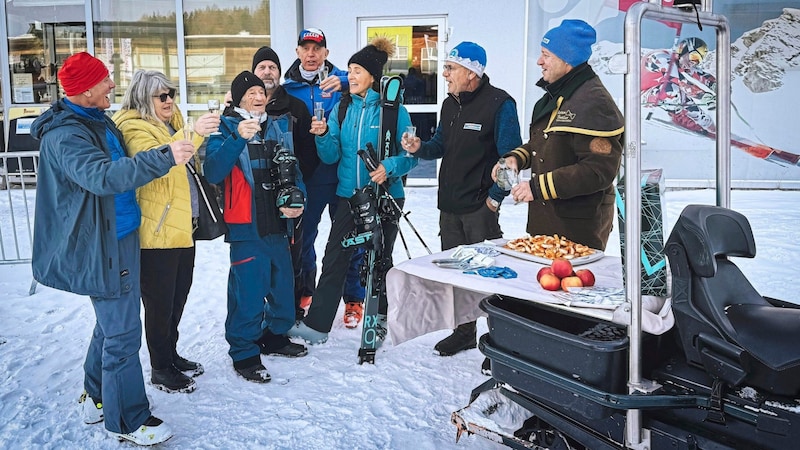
x=203 y=44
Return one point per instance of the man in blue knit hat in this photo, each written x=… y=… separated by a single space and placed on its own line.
x=478 y=124
x=576 y=138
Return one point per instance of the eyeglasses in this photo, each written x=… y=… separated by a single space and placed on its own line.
x=163 y=97
x=448 y=68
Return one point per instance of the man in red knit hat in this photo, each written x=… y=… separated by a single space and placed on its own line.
x=85 y=239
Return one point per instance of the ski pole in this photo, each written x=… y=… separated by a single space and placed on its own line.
x=422 y=241
x=371 y=165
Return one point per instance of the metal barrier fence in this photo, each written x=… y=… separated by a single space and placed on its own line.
x=17 y=198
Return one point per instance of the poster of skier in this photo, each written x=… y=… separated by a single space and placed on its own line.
x=679 y=85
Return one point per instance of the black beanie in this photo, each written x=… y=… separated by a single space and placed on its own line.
x=265 y=54
x=241 y=84
x=374 y=56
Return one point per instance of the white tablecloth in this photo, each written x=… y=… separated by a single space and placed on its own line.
x=424 y=298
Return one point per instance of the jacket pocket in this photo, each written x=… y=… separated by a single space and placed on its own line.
x=238 y=194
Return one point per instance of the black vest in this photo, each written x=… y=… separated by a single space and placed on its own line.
x=468 y=129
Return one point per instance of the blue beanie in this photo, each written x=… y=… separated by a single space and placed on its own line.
x=571 y=41
x=470 y=55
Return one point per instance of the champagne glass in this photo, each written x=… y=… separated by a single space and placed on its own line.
x=188 y=128
x=213 y=108
x=411 y=133
x=256 y=139
x=319 y=110
x=323 y=72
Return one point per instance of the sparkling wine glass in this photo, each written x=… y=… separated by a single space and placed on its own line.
x=256 y=139
x=319 y=110
x=411 y=133
x=323 y=72
x=188 y=128
x=213 y=108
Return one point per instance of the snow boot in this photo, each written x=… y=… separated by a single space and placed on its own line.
x=280 y=345
x=463 y=338
x=257 y=373
x=153 y=431
x=184 y=365
x=353 y=312
x=308 y=334
x=91 y=409
x=172 y=380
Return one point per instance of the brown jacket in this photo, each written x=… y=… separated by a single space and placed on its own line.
x=574 y=154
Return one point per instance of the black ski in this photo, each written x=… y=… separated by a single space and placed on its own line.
x=375 y=263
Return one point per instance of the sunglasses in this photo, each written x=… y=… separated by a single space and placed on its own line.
x=163 y=97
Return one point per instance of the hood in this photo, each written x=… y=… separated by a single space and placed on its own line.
x=58 y=115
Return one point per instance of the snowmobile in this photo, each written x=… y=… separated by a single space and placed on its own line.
x=725 y=376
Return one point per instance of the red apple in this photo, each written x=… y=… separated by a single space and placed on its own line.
x=569 y=282
x=550 y=282
x=543 y=271
x=561 y=268
x=586 y=276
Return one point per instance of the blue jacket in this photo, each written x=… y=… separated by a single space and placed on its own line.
x=229 y=149
x=361 y=126
x=75 y=245
x=309 y=92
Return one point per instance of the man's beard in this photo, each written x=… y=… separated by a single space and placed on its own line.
x=270 y=84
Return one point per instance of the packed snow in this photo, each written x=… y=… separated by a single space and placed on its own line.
x=324 y=400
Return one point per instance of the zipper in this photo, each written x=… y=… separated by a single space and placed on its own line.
x=163 y=217
x=358 y=140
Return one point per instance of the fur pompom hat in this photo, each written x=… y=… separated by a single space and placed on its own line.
x=374 y=56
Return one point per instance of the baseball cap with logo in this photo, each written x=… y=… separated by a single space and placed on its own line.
x=314 y=35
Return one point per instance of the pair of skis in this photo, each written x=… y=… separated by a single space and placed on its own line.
x=375 y=263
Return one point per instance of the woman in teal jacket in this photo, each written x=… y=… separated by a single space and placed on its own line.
x=340 y=142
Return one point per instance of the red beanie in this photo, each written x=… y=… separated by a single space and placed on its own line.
x=80 y=73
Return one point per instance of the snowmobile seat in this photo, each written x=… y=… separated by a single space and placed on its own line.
x=725 y=326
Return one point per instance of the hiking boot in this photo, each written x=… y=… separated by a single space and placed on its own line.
x=153 y=431
x=91 y=409
x=463 y=338
x=172 y=380
x=308 y=334
x=184 y=365
x=257 y=373
x=280 y=345
x=353 y=312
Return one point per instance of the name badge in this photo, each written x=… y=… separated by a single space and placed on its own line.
x=472 y=126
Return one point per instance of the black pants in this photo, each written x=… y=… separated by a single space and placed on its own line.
x=166 y=279
x=335 y=263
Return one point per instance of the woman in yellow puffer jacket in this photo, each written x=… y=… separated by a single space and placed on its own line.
x=148 y=119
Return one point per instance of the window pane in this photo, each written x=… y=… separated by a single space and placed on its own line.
x=40 y=38
x=415 y=59
x=133 y=35
x=426 y=126
x=220 y=42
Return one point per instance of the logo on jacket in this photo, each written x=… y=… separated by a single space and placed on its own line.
x=565 y=116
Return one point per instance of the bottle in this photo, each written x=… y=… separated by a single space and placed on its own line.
x=507 y=177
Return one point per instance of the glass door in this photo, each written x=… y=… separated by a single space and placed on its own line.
x=419 y=42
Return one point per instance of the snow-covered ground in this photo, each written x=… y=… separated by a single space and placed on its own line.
x=323 y=401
